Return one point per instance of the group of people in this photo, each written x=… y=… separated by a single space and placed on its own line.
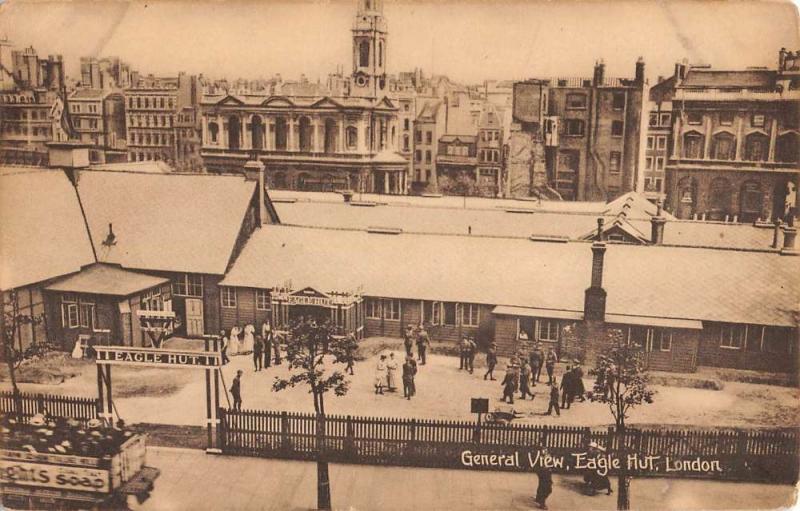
x=265 y=347
x=386 y=374
x=593 y=481
x=524 y=372
x=420 y=337
x=467 y=349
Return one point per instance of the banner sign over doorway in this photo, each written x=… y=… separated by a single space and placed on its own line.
x=124 y=355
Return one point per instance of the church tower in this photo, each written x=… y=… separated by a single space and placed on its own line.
x=369 y=50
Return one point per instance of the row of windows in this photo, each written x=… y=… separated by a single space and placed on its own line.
x=755 y=338
x=489 y=155
x=418 y=156
x=577 y=128
x=86 y=123
x=428 y=137
x=21 y=115
x=149 y=156
x=579 y=101
x=152 y=139
x=653 y=184
x=230 y=298
x=659 y=163
x=457 y=150
x=448 y=313
x=78 y=108
x=756 y=146
x=382 y=308
x=151 y=102
x=547 y=330
x=16 y=129
x=146 y=121
x=77 y=313
x=660 y=119
x=657 y=142
x=490 y=136
x=726 y=119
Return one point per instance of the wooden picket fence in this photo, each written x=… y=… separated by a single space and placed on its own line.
x=743 y=454
x=81 y=408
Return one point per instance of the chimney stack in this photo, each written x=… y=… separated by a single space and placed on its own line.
x=599 y=73
x=70 y=156
x=639 y=77
x=254 y=171
x=594 y=304
x=657 y=227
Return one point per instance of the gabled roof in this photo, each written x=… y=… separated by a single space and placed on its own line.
x=42 y=233
x=89 y=94
x=166 y=222
x=230 y=100
x=651 y=281
x=465 y=139
x=106 y=279
x=326 y=102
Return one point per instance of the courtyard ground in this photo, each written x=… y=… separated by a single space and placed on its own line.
x=177 y=396
x=192 y=480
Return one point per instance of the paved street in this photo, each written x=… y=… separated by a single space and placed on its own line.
x=193 y=480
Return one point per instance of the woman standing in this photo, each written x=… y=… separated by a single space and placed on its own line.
x=391 y=373
x=234 y=345
x=249 y=338
x=380 y=374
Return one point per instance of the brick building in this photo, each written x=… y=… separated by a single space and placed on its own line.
x=98 y=119
x=735 y=151
x=578 y=137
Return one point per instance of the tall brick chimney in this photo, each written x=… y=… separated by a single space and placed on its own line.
x=594 y=303
x=599 y=73
x=254 y=171
x=657 y=227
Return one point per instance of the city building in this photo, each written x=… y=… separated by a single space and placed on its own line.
x=106 y=73
x=152 y=108
x=310 y=141
x=98 y=119
x=735 y=151
x=576 y=138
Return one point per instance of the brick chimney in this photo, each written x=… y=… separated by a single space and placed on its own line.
x=254 y=171
x=657 y=227
x=639 y=77
x=594 y=303
x=599 y=73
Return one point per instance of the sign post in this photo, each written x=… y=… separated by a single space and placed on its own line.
x=479 y=405
x=210 y=360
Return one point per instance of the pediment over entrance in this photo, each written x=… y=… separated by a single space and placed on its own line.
x=277 y=101
x=310 y=292
x=230 y=100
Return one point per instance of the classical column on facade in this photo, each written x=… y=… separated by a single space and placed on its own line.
x=291 y=143
x=386 y=182
x=315 y=136
x=677 y=141
x=340 y=142
x=707 y=139
x=739 y=137
x=362 y=136
x=269 y=133
x=773 y=139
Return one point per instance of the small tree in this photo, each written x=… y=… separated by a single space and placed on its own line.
x=622 y=384
x=312 y=352
x=12 y=319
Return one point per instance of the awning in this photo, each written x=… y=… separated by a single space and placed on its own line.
x=624 y=319
x=510 y=310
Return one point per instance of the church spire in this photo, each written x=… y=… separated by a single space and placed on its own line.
x=369 y=50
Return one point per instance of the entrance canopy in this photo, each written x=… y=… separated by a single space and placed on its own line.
x=106 y=279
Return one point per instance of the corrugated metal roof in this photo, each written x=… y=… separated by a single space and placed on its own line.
x=653 y=281
x=42 y=233
x=533 y=312
x=104 y=279
x=168 y=222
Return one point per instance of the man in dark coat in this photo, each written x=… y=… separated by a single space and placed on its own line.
x=545 y=487
x=535 y=359
x=553 y=399
x=577 y=380
x=423 y=343
x=471 y=351
x=510 y=384
x=350 y=348
x=258 y=352
x=276 y=347
x=236 y=390
x=409 y=371
x=268 y=338
x=550 y=364
x=463 y=350
x=524 y=380
x=567 y=388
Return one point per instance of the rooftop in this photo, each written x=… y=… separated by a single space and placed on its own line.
x=42 y=233
x=104 y=279
x=646 y=281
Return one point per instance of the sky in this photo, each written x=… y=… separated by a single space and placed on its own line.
x=469 y=40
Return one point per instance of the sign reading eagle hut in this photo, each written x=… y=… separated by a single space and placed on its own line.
x=123 y=355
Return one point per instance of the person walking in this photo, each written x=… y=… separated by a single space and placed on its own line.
x=524 y=380
x=545 y=487
x=510 y=384
x=423 y=343
x=553 y=405
x=566 y=388
x=408 y=340
x=380 y=374
x=550 y=364
x=236 y=390
x=463 y=349
x=350 y=348
x=258 y=352
x=391 y=373
x=224 y=347
x=471 y=351
x=268 y=338
x=409 y=371
x=491 y=360
x=535 y=359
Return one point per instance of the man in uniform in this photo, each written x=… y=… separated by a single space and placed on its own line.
x=524 y=380
x=408 y=340
x=545 y=487
x=471 y=351
x=553 y=399
x=423 y=343
x=550 y=364
x=510 y=383
x=258 y=352
x=567 y=388
x=491 y=360
x=536 y=359
x=463 y=350
x=236 y=390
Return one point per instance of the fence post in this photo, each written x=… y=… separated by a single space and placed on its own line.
x=741 y=453
x=221 y=430
x=610 y=442
x=285 y=446
x=412 y=435
x=349 y=441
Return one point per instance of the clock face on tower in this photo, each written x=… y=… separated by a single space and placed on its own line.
x=361 y=80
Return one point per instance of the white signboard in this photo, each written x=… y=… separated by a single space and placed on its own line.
x=54 y=476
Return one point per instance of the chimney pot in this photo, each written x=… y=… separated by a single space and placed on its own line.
x=594 y=303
